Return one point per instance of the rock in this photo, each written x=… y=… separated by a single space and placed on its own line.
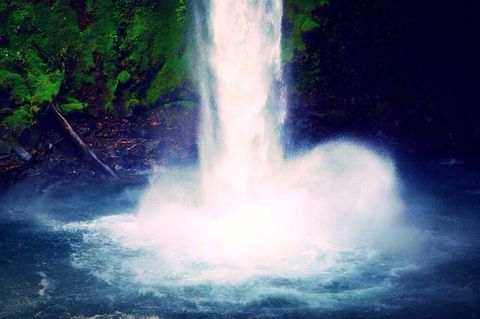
x=450 y=162
x=150 y=147
x=21 y=152
x=29 y=138
x=5 y=148
x=112 y=154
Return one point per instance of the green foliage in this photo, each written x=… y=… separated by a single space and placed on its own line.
x=136 y=41
x=181 y=11
x=72 y=104
x=142 y=44
x=172 y=49
x=123 y=77
x=21 y=117
x=130 y=104
x=45 y=86
x=14 y=84
x=300 y=15
x=34 y=39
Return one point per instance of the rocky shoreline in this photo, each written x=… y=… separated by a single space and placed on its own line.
x=130 y=145
x=163 y=135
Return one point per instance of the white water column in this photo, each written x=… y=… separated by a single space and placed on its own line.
x=239 y=131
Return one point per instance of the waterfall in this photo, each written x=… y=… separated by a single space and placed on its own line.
x=247 y=211
x=242 y=100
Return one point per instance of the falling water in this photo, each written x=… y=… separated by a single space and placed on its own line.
x=247 y=212
x=249 y=233
x=244 y=57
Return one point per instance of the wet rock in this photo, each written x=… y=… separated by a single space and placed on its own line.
x=450 y=162
x=112 y=154
x=21 y=152
x=5 y=148
x=29 y=138
x=150 y=147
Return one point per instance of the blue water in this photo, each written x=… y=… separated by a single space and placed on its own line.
x=42 y=275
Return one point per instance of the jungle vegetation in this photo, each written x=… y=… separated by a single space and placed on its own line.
x=107 y=55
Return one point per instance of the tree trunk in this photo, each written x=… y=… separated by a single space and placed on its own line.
x=79 y=142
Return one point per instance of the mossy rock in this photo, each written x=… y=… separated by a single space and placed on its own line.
x=21 y=117
x=15 y=85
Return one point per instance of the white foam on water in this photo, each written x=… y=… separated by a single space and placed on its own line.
x=338 y=199
x=44 y=284
x=246 y=212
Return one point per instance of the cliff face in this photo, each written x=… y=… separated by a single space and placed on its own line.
x=401 y=72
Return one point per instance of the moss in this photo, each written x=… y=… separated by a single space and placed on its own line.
x=89 y=4
x=11 y=59
x=136 y=41
x=173 y=49
x=181 y=11
x=184 y=103
x=46 y=86
x=21 y=117
x=141 y=44
x=300 y=16
x=131 y=104
x=69 y=107
x=307 y=23
x=123 y=77
x=72 y=104
x=100 y=38
x=167 y=79
x=35 y=108
x=14 y=84
x=4 y=112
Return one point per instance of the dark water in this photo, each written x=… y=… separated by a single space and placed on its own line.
x=41 y=276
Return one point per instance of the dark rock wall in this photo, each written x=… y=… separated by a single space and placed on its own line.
x=403 y=72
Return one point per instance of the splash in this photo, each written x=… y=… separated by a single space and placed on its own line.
x=338 y=198
x=247 y=211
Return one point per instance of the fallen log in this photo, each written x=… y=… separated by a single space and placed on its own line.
x=79 y=142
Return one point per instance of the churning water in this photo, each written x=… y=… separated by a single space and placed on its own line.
x=248 y=212
x=249 y=230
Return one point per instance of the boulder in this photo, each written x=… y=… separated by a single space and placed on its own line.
x=5 y=148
